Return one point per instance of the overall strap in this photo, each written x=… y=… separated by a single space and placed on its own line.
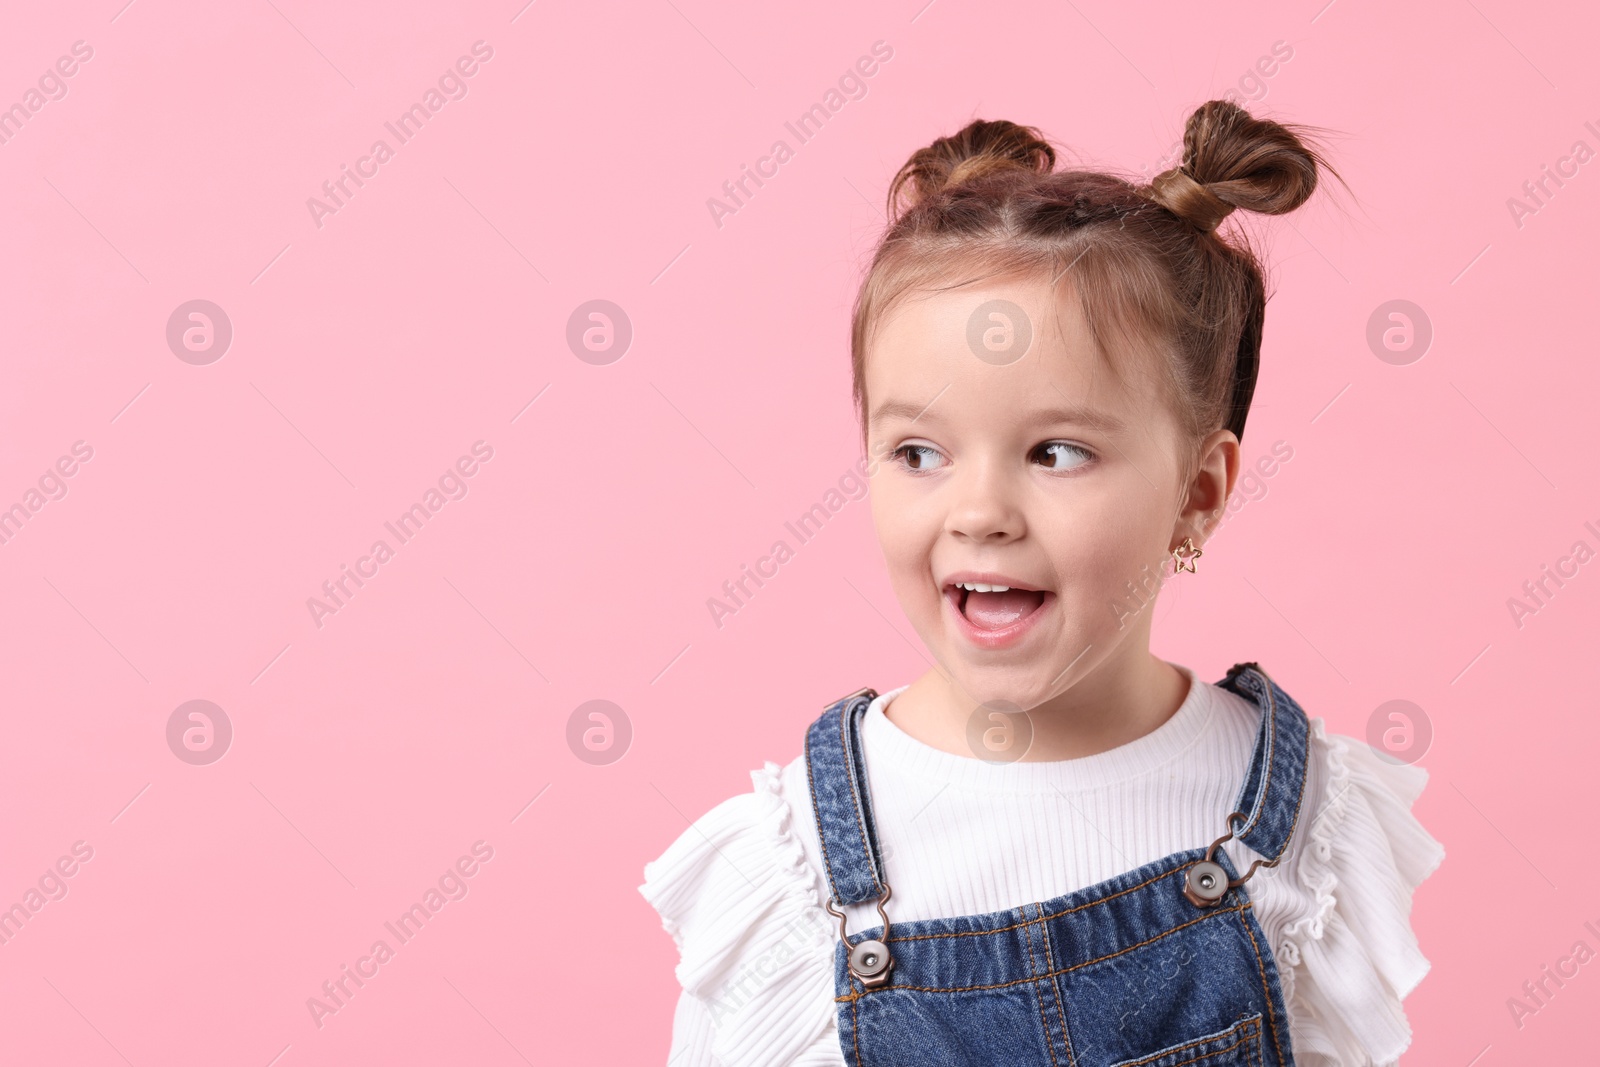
x=1273 y=787
x=839 y=798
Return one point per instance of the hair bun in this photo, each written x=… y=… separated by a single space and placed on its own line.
x=1233 y=160
x=1188 y=199
x=982 y=148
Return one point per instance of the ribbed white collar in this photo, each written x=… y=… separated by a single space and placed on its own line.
x=889 y=747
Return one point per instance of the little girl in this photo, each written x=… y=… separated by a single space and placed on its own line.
x=1055 y=849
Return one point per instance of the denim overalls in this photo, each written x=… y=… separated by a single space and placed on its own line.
x=1164 y=966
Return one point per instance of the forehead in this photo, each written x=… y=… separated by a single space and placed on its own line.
x=996 y=348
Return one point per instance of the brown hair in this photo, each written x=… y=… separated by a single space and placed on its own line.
x=1149 y=267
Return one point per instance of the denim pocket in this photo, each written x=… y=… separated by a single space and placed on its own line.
x=1238 y=1044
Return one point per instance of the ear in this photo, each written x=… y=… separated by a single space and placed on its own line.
x=1215 y=473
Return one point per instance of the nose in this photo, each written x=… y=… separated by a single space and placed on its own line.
x=984 y=506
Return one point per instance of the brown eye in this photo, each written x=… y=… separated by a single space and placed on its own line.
x=918 y=457
x=1061 y=455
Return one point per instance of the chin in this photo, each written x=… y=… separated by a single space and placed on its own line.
x=1021 y=685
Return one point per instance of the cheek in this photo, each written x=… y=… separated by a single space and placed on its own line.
x=906 y=529
x=895 y=520
x=1098 y=546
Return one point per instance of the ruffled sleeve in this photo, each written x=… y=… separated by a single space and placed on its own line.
x=1338 y=911
x=755 y=947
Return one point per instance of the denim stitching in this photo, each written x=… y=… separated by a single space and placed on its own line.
x=850 y=776
x=1063 y=970
x=855 y=1027
x=1243 y=1028
x=1254 y=1036
x=1305 y=767
x=1052 y=915
x=822 y=835
x=1044 y=1020
x=1272 y=737
x=1061 y=1007
x=1305 y=763
x=1261 y=969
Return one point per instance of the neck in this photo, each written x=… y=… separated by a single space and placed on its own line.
x=1122 y=698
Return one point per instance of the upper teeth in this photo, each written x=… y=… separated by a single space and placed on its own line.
x=979 y=587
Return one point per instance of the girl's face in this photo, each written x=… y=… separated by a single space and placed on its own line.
x=1037 y=471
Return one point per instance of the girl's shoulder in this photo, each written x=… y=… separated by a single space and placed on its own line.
x=743 y=905
x=1337 y=907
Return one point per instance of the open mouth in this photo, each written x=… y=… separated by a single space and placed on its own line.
x=992 y=608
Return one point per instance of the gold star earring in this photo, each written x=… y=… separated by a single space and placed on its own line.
x=1184 y=555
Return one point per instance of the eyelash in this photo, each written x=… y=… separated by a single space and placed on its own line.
x=900 y=454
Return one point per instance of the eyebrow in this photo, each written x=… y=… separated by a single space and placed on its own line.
x=1076 y=414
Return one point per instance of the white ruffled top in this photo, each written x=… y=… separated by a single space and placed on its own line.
x=741 y=890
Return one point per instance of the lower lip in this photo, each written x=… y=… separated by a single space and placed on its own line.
x=995 y=639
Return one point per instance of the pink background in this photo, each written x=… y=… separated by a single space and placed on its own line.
x=368 y=354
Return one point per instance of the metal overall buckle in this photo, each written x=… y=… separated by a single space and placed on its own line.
x=870 y=961
x=1207 y=883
